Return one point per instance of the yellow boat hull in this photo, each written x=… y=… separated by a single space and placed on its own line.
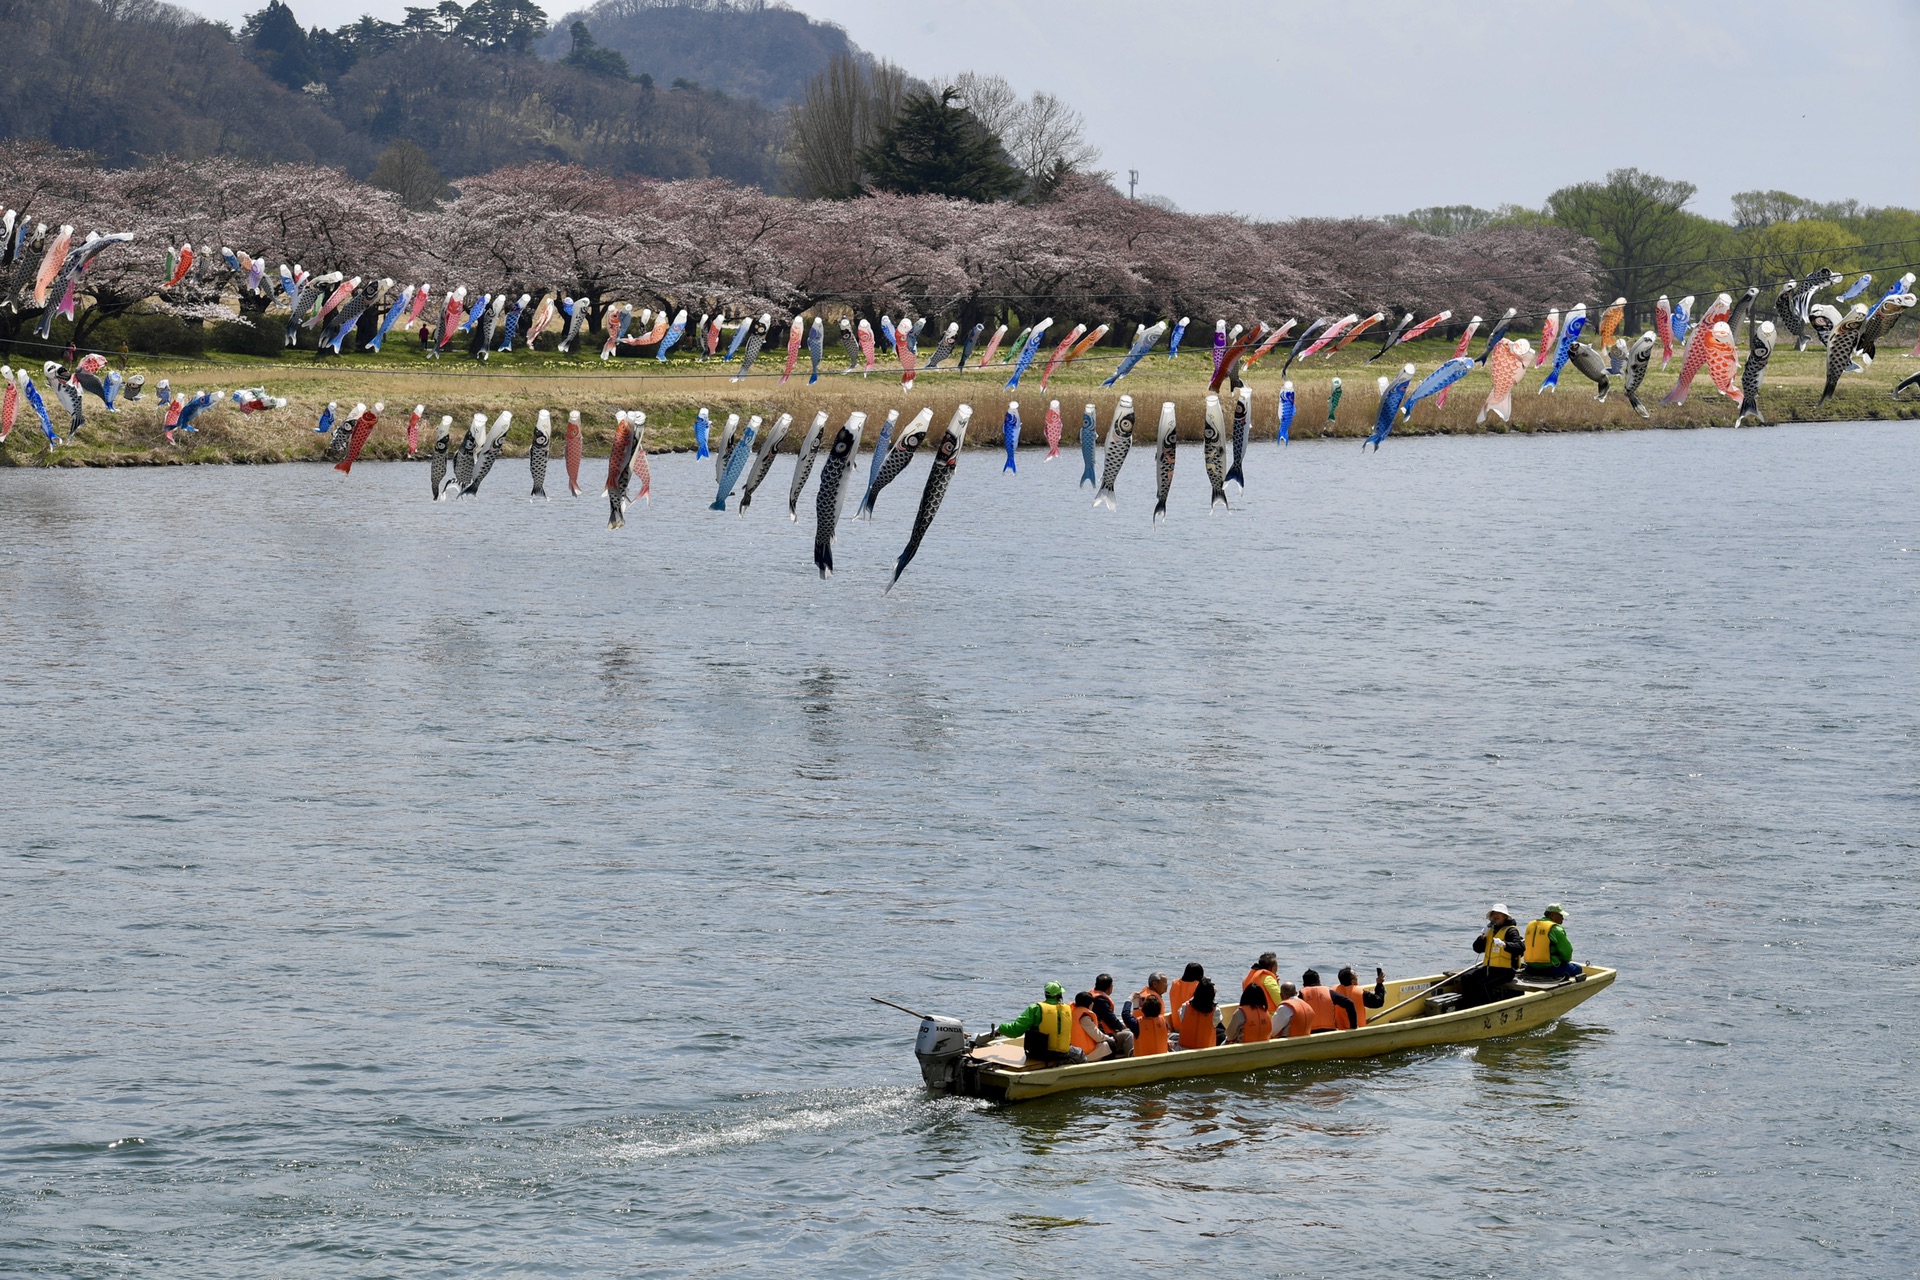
x=999 y=1073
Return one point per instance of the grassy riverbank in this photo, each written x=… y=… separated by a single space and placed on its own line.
x=672 y=394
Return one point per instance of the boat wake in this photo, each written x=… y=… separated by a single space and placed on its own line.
x=841 y=1111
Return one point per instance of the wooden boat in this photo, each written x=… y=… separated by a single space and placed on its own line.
x=999 y=1070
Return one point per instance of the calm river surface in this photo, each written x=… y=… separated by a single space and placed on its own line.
x=394 y=889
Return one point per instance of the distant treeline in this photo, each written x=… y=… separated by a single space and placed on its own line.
x=1087 y=255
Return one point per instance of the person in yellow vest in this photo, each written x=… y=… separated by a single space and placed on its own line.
x=1501 y=947
x=1549 y=952
x=1266 y=975
x=1047 y=1028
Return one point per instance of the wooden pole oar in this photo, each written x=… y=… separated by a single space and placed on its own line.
x=902 y=1008
x=1383 y=1014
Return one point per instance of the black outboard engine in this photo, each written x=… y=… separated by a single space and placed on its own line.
x=941 y=1046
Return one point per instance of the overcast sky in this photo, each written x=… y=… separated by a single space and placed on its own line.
x=1282 y=108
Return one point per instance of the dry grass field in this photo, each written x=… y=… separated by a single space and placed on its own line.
x=671 y=395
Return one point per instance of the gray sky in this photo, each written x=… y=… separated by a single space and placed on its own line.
x=1393 y=105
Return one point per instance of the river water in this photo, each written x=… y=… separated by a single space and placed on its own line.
x=429 y=890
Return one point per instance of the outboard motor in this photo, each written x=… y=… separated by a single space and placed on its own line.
x=941 y=1045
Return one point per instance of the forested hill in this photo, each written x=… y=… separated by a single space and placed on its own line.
x=133 y=79
x=746 y=48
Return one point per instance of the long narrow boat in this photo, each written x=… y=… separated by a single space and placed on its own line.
x=998 y=1070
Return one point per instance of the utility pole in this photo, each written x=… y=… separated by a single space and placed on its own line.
x=1133 y=180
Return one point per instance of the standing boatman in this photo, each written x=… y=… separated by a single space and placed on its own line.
x=1501 y=947
x=1549 y=952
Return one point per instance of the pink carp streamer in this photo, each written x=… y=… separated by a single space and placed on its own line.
x=1663 y=325
x=1693 y=356
x=1460 y=349
x=1357 y=330
x=1334 y=330
x=993 y=345
x=1420 y=330
x=1723 y=363
x=1273 y=340
x=796 y=333
x=1507 y=362
x=1548 y=332
x=866 y=346
x=654 y=333
x=9 y=403
x=1059 y=355
x=641 y=470
x=1054 y=427
x=909 y=365
x=50 y=265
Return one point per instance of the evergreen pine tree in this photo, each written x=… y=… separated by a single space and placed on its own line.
x=936 y=147
x=280 y=46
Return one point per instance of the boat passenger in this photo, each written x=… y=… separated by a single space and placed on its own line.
x=1251 y=1022
x=1549 y=952
x=1152 y=1037
x=1294 y=1017
x=1089 y=1040
x=1320 y=998
x=1351 y=1000
x=1195 y=1019
x=1046 y=1026
x=1501 y=947
x=1182 y=991
x=1265 y=972
x=1111 y=1020
x=1157 y=985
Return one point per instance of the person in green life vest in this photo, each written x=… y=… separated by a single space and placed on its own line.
x=1047 y=1028
x=1548 y=953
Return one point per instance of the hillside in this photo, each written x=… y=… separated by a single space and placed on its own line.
x=741 y=47
x=136 y=79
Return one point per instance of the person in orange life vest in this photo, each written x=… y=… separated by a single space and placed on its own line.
x=1265 y=972
x=1112 y=1021
x=1196 y=1021
x=1152 y=1020
x=1157 y=985
x=1182 y=991
x=1294 y=1017
x=1109 y=1019
x=1320 y=997
x=1351 y=1000
x=1251 y=1022
x=1093 y=1043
